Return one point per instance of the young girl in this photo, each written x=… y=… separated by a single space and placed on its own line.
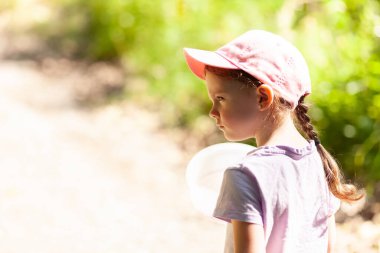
x=283 y=196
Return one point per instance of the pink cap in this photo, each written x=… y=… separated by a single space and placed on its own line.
x=264 y=55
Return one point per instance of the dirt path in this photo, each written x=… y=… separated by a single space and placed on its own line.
x=74 y=180
x=101 y=180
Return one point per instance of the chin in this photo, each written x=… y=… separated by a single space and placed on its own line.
x=235 y=138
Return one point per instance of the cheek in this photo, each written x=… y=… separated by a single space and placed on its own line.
x=245 y=111
x=245 y=114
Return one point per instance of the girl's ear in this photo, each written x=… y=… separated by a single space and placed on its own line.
x=265 y=96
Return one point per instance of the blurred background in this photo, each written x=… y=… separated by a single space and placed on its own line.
x=99 y=116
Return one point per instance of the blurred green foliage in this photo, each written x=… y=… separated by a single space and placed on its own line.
x=340 y=39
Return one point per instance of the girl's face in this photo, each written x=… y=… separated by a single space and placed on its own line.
x=235 y=107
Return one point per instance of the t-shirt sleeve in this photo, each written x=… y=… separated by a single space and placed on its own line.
x=334 y=204
x=239 y=197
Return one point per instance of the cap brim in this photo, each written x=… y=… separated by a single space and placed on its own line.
x=198 y=59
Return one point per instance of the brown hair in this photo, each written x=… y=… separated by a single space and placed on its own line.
x=340 y=189
x=334 y=177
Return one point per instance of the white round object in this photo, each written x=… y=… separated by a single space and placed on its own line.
x=204 y=173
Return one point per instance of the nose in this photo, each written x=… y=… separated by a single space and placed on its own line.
x=214 y=113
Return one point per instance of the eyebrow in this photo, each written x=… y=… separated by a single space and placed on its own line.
x=221 y=93
x=217 y=94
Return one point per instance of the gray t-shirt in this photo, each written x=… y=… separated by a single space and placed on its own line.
x=285 y=190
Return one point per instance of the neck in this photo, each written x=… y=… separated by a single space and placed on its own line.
x=284 y=133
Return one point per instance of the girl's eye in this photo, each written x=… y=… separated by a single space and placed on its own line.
x=219 y=98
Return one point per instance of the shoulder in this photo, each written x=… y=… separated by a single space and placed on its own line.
x=251 y=173
x=263 y=174
x=240 y=177
x=263 y=166
x=248 y=168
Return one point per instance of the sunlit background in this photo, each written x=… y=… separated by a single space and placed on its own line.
x=99 y=116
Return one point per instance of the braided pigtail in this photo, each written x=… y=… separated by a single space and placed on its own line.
x=334 y=177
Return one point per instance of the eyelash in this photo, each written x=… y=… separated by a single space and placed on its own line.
x=219 y=98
